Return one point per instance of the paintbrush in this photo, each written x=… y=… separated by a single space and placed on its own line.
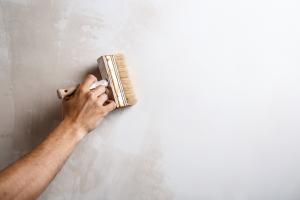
x=113 y=71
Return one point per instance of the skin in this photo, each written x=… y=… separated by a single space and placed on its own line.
x=29 y=176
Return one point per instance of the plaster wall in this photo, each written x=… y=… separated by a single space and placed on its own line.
x=218 y=87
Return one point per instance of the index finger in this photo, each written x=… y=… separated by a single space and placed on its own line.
x=110 y=106
x=89 y=80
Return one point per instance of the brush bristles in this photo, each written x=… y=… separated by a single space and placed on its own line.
x=126 y=82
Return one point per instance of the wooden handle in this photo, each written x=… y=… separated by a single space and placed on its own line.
x=62 y=93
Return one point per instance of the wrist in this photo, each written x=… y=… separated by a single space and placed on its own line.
x=74 y=129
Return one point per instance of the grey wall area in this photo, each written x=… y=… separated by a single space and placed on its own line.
x=218 y=84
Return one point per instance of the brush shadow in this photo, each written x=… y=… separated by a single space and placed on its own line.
x=92 y=69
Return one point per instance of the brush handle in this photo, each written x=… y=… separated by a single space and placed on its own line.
x=63 y=92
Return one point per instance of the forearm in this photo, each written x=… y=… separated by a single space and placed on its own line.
x=29 y=176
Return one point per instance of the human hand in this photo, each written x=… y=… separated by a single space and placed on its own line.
x=86 y=108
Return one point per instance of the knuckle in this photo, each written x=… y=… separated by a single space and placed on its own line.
x=81 y=89
x=102 y=112
x=113 y=105
x=91 y=76
x=90 y=95
x=100 y=89
x=98 y=103
x=105 y=96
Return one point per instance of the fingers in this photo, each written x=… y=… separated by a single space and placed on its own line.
x=100 y=94
x=89 y=80
x=99 y=90
x=110 y=106
x=102 y=99
x=107 y=105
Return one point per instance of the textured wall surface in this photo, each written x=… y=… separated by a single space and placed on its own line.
x=218 y=86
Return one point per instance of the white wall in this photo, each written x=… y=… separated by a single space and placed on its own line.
x=218 y=87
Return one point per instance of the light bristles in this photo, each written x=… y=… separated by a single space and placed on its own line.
x=126 y=82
